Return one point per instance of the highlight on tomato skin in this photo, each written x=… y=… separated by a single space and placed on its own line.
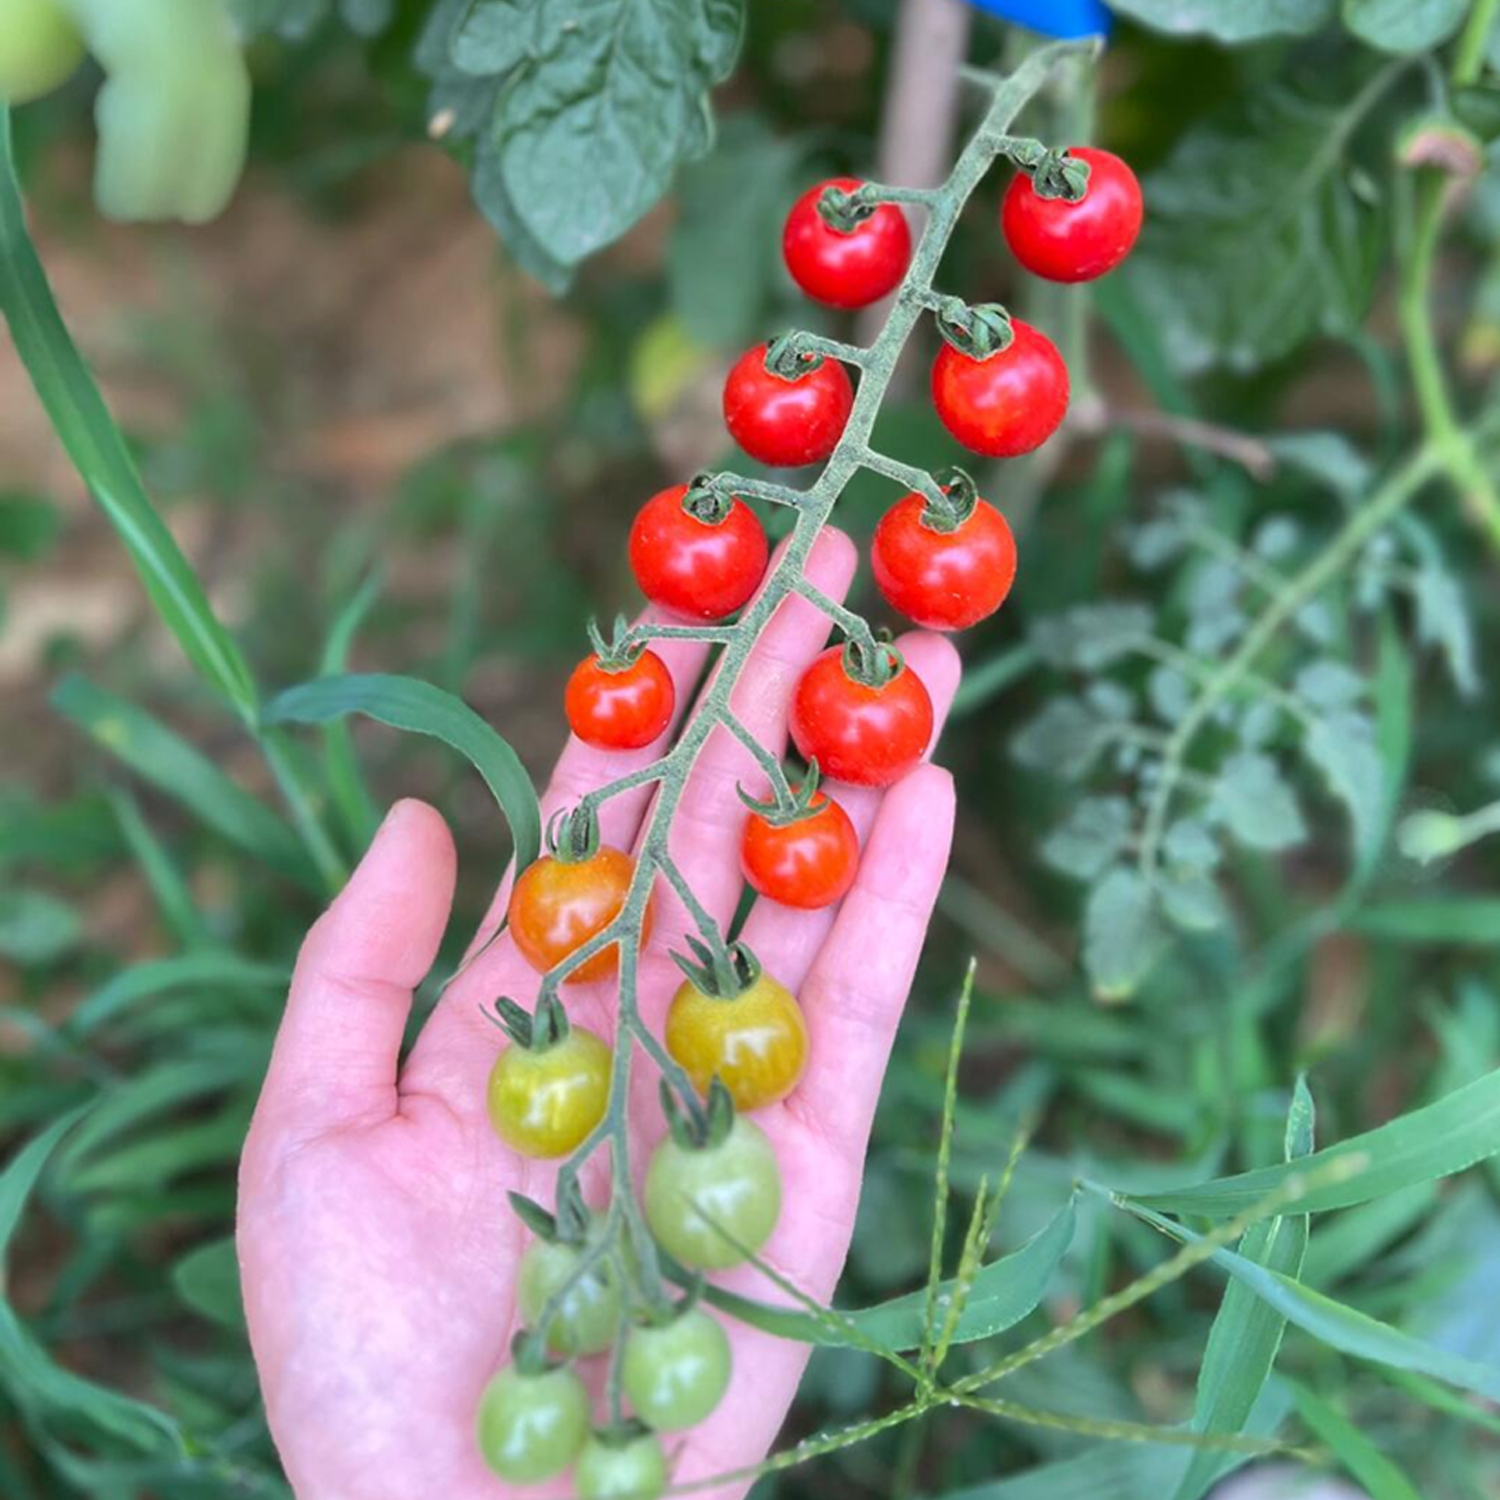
x=858 y=733
x=1071 y=242
x=845 y=268
x=783 y=423
x=939 y=579
x=544 y=1103
x=1008 y=404
x=695 y=569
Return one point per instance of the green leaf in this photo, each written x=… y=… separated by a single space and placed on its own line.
x=1065 y=738
x=1229 y=20
x=1246 y=1335
x=208 y=1280
x=93 y=442
x=36 y=927
x=1350 y=1241
x=167 y=761
x=1404 y=25
x=418 y=707
x=346 y=782
x=1342 y=746
x=1001 y=1295
x=1460 y=920
x=1364 y=1461
x=1435 y=1141
x=1256 y=240
x=1122 y=933
x=598 y=105
x=1092 y=837
x=1256 y=803
x=146 y=981
x=1090 y=637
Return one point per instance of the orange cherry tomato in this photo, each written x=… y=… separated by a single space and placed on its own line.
x=558 y=905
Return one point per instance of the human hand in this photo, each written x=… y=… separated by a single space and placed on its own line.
x=377 y=1249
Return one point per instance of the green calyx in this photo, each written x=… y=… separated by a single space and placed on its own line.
x=1058 y=175
x=536 y=1031
x=843 y=211
x=568 y=1226
x=618 y=654
x=787 y=804
x=621 y=1434
x=695 y=1125
x=979 y=332
x=528 y=1353
x=705 y=501
x=873 y=668
x=724 y=972
x=947 y=512
x=573 y=834
x=788 y=360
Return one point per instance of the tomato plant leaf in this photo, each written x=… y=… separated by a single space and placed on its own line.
x=1229 y=20
x=1404 y=25
x=1256 y=804
x=418 y=707
x=1122 y=933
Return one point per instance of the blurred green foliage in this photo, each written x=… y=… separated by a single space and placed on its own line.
x=1244 y=393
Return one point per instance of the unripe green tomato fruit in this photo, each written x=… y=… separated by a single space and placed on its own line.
x=530 y=1427
x=675 y=1374
x=589 y=1315
x=39 y=49
x=611 y=1469
x=736 y=1185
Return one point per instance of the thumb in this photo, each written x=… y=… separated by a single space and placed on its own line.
x=336 y=1054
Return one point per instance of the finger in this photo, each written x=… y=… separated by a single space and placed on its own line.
x=582 y=768
x=705 y=830
x=786 y=940
x=334 y=1062
x=855 y=992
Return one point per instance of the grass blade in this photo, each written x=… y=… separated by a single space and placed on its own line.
x=1364 y=1461
x=93 y=442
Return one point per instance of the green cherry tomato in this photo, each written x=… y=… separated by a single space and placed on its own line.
x=674 y=1375
x=630 y=1467
x=588 y=1317
x=39 y=49
x=735 y=1184
x=530 y=1427
x=544 y=1103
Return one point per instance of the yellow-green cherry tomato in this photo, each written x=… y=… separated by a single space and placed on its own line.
x=628 y=1466
x=531 y=1427
x=674 y=1374
x=755 y=1041
x=544 y=1102
x=588 y=1317
x=704 y=1202
x=39 y=49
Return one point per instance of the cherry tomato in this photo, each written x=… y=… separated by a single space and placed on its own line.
x=1065 y=241
x=868 y=736
x=531 y=1427
x=808 y=863
x=845 y=268
x=558 y=905
x=696 y=568
x=544 y=1103
x=735 y=1183
x=629 y=1467
x=944 y=580
x=588 y=1317
x=39 y=48
x=620 y=707
x=786 y=423
x=1007 y=404
x=755 y=1042
x=676 y=1373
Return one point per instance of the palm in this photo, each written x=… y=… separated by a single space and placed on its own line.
x=378 y=1250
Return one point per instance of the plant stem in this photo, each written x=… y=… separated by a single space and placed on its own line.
x=1469 y=58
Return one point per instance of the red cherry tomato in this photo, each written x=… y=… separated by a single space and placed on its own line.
x=845 y=268
x=557 y=905
x=696 y=568
x=1007 y=404
x=943 y=580
x=808 y=863
x=620 y=708
x=1066 y=241
x=865 y=735
x=786 y=423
